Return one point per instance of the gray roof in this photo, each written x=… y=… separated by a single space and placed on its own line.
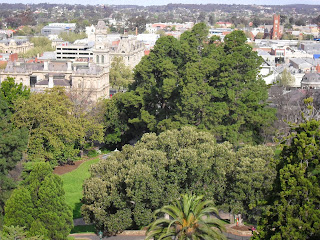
x=54 y=67
x=48 y=56
x=262 y=52
x=59 y=82
x=43 y=82
x=23 y=67
x=297 y=60
x=311 y=78
x=17 y=41
x=58 y=66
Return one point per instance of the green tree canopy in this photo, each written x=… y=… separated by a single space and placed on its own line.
x=126 y=188
x=120 y=74
x=209 y=84
x=39 y=205
x=72 y=36
x=286 y=79
x=13 y=141
x=56 y=132
x=16 y=232
x=10 y=91
x=41 y=45
x=294 y=211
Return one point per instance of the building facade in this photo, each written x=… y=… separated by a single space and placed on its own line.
x=57 y=28
x=104 y=48
x=276 y=27
x=129 y=49
x=311 y=81
x=73 y=52
x=15 y=46
x=86 y=78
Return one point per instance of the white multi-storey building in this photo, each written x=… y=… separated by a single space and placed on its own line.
x=74 y=52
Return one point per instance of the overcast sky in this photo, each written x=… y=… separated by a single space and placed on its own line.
x=164 y=2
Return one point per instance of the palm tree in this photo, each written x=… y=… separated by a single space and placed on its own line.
x=189 y=219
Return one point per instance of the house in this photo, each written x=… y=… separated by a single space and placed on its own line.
x=311 y=81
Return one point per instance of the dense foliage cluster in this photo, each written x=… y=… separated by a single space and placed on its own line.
x=13 y=141
x=56 y=132
x=45 y=127
x=120 y=74
x=295 y=202
x=38 y=204
x=195 y=104
x=127 y=187
x=72 y=36
x=197 y=81
x=41 y=45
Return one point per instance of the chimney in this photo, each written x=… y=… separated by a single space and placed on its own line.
x=69 y=66
x=45 y=66
x=50 y=84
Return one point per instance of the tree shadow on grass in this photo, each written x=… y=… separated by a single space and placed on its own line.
x=83 y=229
x=77 y=210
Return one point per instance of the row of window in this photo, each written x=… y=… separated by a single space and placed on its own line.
x=73 y=49
x=75 y=53
x=98 y=59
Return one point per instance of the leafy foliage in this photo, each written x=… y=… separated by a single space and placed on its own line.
x=16 y=232
x=286 y=78
x=39 y=205
x=56 y=133
x=128 y=186
x=250 y=181
x=196 y=81
x=41 y=45
x=295 y=203
x=13 y=141
x=72 y=36
x=120 y=74
x=189 y=219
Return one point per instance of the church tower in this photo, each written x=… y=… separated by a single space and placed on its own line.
x=101 y=46
x=276 y=27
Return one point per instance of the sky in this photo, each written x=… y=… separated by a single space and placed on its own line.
x=164 y=2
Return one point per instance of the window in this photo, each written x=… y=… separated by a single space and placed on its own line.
x=102 y=59
x=97 y=59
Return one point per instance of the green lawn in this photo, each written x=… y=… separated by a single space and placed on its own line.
x=72 y=184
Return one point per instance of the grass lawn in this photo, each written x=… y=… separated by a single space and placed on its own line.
x=72 y=184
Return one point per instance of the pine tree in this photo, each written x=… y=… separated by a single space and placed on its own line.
x=13 y=141
x=39 y=205
x=295 y=205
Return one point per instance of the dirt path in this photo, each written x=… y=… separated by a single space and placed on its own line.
x=60 y=170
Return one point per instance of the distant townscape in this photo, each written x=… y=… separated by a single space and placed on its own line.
x=181 y=121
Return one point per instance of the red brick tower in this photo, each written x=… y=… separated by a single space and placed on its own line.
x=276 y=27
